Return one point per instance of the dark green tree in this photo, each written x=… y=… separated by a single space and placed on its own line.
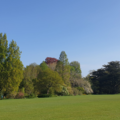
x=106 y=80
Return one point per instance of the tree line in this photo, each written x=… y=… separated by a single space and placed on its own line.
x=17 y=81
x=57 y=78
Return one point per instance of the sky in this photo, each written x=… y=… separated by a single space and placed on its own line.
x=87 y=30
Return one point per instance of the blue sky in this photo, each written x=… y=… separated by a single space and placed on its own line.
x=87 y=30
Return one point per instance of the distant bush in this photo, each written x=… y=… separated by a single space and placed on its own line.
x=63 y=92
x=31 y=96
x=70 y=90
x=76 y=91
x=81 y=89
x=53 y=95
x=11 y=95
x=19 y=95
x=83 y=84
x=1 y=95
x=44 y=95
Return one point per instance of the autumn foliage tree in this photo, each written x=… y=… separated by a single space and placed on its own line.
x=51 y=62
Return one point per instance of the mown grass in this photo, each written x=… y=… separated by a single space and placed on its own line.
x=86 y=107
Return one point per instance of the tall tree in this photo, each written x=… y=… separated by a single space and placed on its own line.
x=14 y=68
x=75 y=69
x=63 y=58
x=3 y=56
x=64 y=72
x=3 y=47
x=63 y=68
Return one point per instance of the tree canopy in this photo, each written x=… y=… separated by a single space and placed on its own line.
x=63 y=58
x=11 y=67
x=106 y=80
x=64 y=72
x=75 y=69
x=52 y=76
x=43 y=66
x=47 y=80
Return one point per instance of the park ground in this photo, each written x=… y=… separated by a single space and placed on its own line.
x=84 y=107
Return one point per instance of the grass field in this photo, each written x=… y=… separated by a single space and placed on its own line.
x=86 y=107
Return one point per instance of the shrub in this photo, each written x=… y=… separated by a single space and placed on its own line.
x=63 y=92
x=76 y=91
x=11 y=95
x=23 y=90
x=31 y=96
x=81 y=89
x=19 y=95
x=44 y=95
x=70 y=90
x=1 y=95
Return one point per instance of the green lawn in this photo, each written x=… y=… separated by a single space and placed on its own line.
x=86 y=107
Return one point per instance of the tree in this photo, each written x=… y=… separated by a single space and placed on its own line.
x=33 y=64
x=75 y=69
x=79 y=82
x=63 y=68
x=51 y=62
x=106 y=80
x=96 y=78
x=47 y=80
x=63 y=58
x=64 y=72
x=14 y=68
x=43 y=66
x=3 y=48
x=30 y=74
x=76 y=79
x=52 y=66
x=87 y=77
x=3 y=56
